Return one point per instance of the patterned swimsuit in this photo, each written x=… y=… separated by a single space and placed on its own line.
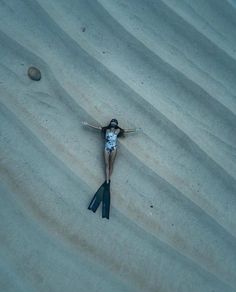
x=111 y=141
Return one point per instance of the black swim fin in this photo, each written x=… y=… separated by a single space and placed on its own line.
x=106 y=201
x=97 y=198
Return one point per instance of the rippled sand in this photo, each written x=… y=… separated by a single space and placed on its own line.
x=168 y=67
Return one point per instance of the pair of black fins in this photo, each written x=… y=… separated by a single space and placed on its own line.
x=101 y=195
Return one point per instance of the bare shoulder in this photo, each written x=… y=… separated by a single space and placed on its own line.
x=117 y=131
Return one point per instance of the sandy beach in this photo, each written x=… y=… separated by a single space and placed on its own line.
x=168 y=67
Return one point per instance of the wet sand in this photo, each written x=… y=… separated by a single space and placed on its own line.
x=167 y=67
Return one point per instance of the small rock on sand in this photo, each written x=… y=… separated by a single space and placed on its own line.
x=34 y=73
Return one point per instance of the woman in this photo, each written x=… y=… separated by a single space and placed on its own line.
x=111 y=133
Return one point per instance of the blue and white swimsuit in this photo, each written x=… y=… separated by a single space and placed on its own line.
x=111 y=141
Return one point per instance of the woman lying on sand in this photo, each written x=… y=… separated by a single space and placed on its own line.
x=111 y=133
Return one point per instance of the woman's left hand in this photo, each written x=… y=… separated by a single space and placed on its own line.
x=139 y=130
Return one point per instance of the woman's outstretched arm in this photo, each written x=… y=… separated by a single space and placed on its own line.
x=95 y=127
x=132 y=130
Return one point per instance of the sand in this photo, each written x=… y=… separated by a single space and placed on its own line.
x=168 y=67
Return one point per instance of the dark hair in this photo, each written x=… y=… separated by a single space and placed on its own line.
x=122 y=132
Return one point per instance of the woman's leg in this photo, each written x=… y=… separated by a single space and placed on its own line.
x=112 y=159
x=106 y=156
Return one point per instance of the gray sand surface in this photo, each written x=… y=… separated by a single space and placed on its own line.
x=166 y=66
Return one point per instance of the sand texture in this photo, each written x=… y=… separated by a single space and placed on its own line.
x=166 y=66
